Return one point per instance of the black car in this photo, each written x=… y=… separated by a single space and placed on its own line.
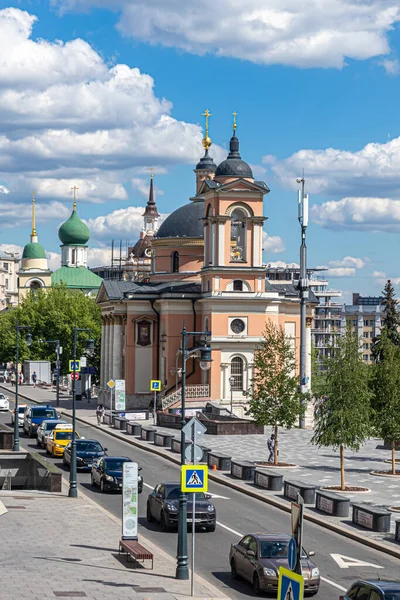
x=107 y=473
x=163 y=506
x=87 y=452
x=373 y=590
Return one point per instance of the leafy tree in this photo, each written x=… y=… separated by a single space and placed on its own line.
x=274 y=395
x=385 y=384
x=343 y=418
x=390 y=321
x=51 y=315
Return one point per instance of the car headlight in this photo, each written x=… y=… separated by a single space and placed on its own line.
x=269 y=572
x=210 y=508
x=315 y=572
x=109 y=478
x=58 y=446
x=171 y=507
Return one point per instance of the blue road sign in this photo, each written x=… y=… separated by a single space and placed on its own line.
x=194 y=478
x=290 y=585
x=155 y=385
x=292 y=553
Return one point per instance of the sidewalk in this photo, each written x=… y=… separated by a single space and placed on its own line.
x=59 y=546
x=319 y=466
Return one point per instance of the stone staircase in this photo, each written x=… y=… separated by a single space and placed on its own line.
x=194 y=393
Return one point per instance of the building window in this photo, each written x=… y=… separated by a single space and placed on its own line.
x=5 y=266
x=143 y=333
x=238 y=235
x=73 y=256
x=6 y=284
x=366 y=357
x=35 y=285
x=238 y=285
x=175 y=262
x=237 y=367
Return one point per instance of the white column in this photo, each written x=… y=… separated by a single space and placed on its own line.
x=257 y=250
x=106 y=352
x=221 y=244
x=102 y=355
x=206 y=245
x=308 y=355
x=117 y=350
x=213 y=244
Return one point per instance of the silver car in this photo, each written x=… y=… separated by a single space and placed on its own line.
x=44 y=430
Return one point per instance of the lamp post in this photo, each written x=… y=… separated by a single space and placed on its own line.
x=182 y=569
x=231 y=382
x=73 y=489
x=58 y=352
x=28 y=341
x=304 y=293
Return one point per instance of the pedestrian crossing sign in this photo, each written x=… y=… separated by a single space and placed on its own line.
x=194 y=478
x=290 y=585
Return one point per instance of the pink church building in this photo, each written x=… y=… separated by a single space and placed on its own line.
x=206 y=271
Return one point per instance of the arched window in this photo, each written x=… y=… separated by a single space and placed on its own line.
x=175 y=262
x=237 y=367
x=73 y=256
x=238 y=235
x=35 y=285
x=238 y=285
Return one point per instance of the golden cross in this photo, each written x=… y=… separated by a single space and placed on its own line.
x=33 y=214
x=75 y=189
x=151 y=169
x=234 y=120
x=207 y=114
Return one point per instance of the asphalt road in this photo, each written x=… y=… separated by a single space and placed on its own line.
x=237 y=515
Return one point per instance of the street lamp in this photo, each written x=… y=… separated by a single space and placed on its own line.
x=182 y=569
x=73 y=489
x=304 y=293
x=28 y=342
x=58 y=352
x=231 y=382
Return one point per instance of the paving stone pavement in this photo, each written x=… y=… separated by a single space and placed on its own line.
x=52 y=543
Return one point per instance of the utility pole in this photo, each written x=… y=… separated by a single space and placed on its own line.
x=304 y=293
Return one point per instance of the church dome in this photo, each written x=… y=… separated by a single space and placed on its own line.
x=74 y=232
x=34 y=250
x=185 y=222
x=206 y=163
x=234 y=166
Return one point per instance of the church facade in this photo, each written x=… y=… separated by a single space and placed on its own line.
x=206 y=274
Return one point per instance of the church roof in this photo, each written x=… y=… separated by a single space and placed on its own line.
x=74 y=232
x=76 y=277
x=184 y=222
x=117 y=290
x=151 y=208
x=234 y=166
x=34 y=250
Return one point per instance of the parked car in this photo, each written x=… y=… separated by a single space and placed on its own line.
x=87 y=452
x=163 y=506
x=3 y=374
x=34 y=415
x=45 y=428
x=58 y=439
x=4 y=402
x=258 y=556
x=21 y=410
x=107 y=473
x=373 y=590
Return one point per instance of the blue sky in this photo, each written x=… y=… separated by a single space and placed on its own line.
x=94 y=92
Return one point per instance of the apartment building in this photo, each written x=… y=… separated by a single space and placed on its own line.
x=9 y=263
x=364 y=316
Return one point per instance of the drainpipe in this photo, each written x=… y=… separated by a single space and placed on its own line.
x=158 y=339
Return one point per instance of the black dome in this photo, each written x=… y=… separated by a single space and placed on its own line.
x=234 y=166
x=184 y=222
x=206 y=163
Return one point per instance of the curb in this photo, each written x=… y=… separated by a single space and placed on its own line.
x=308 y=515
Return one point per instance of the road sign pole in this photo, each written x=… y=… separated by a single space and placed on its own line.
x=193 y=508
x=155 y=408
x=182 y=570
x=298 y=535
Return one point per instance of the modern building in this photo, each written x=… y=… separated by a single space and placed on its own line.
x=9 y=267
x=365 y=317
x=206 y=274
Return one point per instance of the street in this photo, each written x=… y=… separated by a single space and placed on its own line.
x=237 y=514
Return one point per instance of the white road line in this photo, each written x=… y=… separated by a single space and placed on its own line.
x=151 y=487
x=336 y=585
x=229 y=529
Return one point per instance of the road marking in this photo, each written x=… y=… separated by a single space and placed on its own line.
x=216 y=496
x=148 y=486
x=229 y=529
x=336 y=585
x=345 y=562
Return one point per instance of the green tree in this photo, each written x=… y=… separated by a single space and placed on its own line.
x=343 y=417
x=385 y=385
x=273 y=393
x=390 y=321
x=51 y=315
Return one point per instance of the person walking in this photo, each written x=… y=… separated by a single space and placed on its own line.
x=34 y=378
x=271 y=447
x=12 y=379
x=21 y=379
x=99 y=413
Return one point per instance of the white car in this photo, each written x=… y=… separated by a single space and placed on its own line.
x=21 y=410
x=4 y=403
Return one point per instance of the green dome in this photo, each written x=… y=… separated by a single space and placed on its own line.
x=74 y=232
x=34 y=250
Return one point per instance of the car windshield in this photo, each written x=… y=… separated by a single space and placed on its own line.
x=63 y=435
x=2 y=397
x=114 y=464
x=270 y=549
x=43 y=412
x=21 y=409
x=174 y=493
x=89 y=447
x=392 y=595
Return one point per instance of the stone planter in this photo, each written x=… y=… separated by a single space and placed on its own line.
x=397 y=532
x=221 y=461
x=374 y=519
x=163 y=439
x=133 y=428
x=306 y=491
x=107 y=418
x=176 y=444
x=148 y=434
x=332 y=504
x=242 y=470
x=120 y=423
x=269 y=480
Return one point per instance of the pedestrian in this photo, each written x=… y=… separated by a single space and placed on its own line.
x=271 y=447
x=21 y=379
x=99 y=413
x=12 y=379
x=34 y=378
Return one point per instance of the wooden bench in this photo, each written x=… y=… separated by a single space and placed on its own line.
x=136 y=550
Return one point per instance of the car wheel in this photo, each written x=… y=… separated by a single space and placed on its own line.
x=234 y=574
x=64 y=461
x=102 y=487
x=149 y=516
x=163 y=522
x=256 y=584
x=211 y=527
x=92 y=481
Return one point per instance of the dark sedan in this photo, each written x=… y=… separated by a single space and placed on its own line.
x=163 y=506
x=87 y=452
x=107 y=473
x=373 y=590
x=258 y=556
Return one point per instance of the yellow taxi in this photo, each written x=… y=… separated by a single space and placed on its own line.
x=59 y=439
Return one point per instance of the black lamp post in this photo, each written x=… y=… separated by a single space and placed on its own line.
x=73 y=489
x=58 y=352
x=28 y=342
x=182 y=568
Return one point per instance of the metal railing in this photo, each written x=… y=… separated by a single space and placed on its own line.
x=192 y=391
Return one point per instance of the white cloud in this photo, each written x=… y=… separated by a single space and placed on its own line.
x=11 y=248
x=98 y=257
x=348 y=261
x=363 y=214
x=12 y=215
x=54 y=260
x=280 y=264
x=392 y=67
x=143 y=185
x=312 y=33
x=272 y=243
x=345 y=267
x=339 y=271
x=124 y=223
x=379 y=275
